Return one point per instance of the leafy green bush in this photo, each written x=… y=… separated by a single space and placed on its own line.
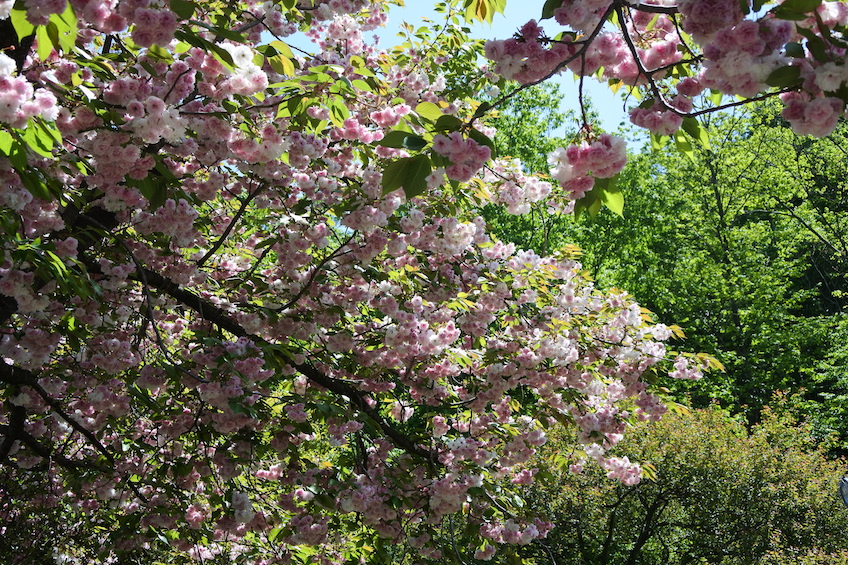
x=718 y=494
x=809 y=557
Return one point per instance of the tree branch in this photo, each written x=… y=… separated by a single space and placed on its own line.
x=356 y=398
x=231 y=225
x=17 y=418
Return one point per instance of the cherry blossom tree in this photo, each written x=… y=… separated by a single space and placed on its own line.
x=250 y=312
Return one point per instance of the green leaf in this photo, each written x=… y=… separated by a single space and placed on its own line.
x=414 y=143
x=163 y=170
x=482 y=109
x=53 y=34
x=217 y=51
x=818 y=48
x=589 y=203
x=410 y=173
x=272 y=535
x=18 y=157
x=182 y=468
x=326 y=501
x=395 y=174
x=448 y=123
x=338 y=111
x=66 y=27
x=610 y=194
x=183 y=8
x=683 y=146
x=794 y=49
x=153 y=188
x=483 y=10
x=6 y=142
x=343 y=86
x=22 y=26
x=715 y=97
x=795 y=10
x=594 y=207
x=361 y=85
x=38 y=140
x=239 y=408
x=282 y=48
x=429 y=111
x=403 y=140
x=801 y=5
x=45 y=44
x=699 y=134
x=35 y=186
x=160 y=53
x=784 y=76
x=657 y=141
x=365 y=72
x=549 y=8
x=282 y=65
x=48 y=131
x=393 y=139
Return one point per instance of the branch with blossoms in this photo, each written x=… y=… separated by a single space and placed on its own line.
x=169 y=177
x=754 y=56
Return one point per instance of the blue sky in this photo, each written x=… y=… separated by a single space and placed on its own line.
x=518 y=12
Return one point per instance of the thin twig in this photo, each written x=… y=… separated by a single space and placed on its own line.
x=148 y=299
x=231 y=225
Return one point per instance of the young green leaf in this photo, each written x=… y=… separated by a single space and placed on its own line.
x=549 y=8
x=183 y=8
x=698 y=133
x=6 y=141
x=22 y=26
x=429 y=111
x=610 y=194
x=784 y=76
x=683 y=146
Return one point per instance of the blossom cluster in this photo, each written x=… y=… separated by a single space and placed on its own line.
x=19 y=101
x=466 y=155
x=576 y=167
x=513 y=189
x=738 y=52
x=741 y=58
x=526 y=59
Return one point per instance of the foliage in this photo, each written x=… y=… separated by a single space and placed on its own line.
x=742 y=248
x=525 y=126
x=718 y=495
x=811 y=557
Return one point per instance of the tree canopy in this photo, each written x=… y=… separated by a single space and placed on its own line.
x=721 y=495
x=251 y=310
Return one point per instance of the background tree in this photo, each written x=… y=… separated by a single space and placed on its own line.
x=720 y=495
x=742 y=244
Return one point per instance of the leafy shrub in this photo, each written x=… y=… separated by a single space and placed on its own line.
x=719 y=494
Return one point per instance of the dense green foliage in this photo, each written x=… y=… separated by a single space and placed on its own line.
x=720 y=495
x=744 y=245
